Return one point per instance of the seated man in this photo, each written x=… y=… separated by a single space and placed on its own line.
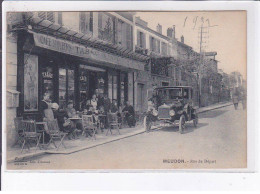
x=129 y=114
x=71 y=112
x=63 y=121
x=114 y=109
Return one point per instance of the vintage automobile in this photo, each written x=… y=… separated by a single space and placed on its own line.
x=171 y=105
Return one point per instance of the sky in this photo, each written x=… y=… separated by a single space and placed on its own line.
x=226 y=34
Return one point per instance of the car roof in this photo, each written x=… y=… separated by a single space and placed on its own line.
x=171 y=87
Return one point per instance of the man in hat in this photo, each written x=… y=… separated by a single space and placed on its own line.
x=62 y=119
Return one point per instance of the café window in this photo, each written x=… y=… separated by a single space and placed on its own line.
x=66 y=87
x=124 y=34
x=83 y=85
x=30 y=82
x=112 y=86
x=86 y=22
x=106 y=30
x=123 y=88
x=47 y=80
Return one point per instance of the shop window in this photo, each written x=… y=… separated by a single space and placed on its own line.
x=86 y=22
x=106 y=29
x=47 y=80
x=112 y=86
x=30 y=82
x=66 y=87
x=124 y=88
x=83 y=86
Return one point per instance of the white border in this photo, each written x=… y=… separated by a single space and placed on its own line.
x=182 y=179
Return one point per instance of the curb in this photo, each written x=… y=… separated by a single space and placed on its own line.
x=224 y=105
x=31 y=155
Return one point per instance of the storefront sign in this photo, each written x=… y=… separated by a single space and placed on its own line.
x=47 y=75
x=75 y=49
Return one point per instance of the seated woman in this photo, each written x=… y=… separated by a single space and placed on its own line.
x=129 y=114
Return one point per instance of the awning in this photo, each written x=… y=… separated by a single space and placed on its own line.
x=75 y=49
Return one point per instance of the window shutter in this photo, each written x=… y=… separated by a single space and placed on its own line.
x=42 y=15
x=50 y=16
x=158 y=46
x=151 y=43
x=144 y=40
x=91 y=22
x=60 y=18
x=82 y=22
x=139 y=39
x=100 y=21
x=128 y=36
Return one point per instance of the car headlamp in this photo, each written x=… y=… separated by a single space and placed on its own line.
x=172 y=113
x=155 y=113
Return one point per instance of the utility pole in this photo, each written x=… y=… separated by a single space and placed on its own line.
x=199 y=69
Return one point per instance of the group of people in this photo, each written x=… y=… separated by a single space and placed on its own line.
x=100 y=104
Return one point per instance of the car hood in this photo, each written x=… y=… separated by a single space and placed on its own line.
x=173 y=104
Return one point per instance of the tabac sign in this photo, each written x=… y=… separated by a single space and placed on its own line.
x=67 y=47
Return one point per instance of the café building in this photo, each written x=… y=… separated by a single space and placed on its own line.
x=70 y=66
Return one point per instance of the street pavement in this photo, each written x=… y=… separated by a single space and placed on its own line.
x=219 y=141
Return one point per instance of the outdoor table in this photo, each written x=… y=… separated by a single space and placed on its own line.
x=45 y=128
x=75 y=120
x=101 y=117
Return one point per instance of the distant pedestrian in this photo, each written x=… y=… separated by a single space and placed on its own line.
x=235 y=100
x=243 y=99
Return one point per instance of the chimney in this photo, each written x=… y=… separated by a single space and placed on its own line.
x=173 y=31
x=159 y=28
x=182 y=39
x=169 y=32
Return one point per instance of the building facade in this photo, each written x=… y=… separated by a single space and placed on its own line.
x=71 y=56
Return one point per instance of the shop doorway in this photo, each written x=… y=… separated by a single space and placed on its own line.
x=92 y=83
x=140 y=97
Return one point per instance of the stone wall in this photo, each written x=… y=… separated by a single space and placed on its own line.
x=11 y=83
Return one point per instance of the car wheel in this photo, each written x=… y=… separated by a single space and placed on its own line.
x=196 y=121
x=182 y=124
x=147 y=124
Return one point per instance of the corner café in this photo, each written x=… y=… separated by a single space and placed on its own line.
x=70 y=70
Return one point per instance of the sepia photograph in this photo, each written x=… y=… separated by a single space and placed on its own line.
x=126 y=90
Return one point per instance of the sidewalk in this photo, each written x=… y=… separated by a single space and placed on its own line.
x=14 y=153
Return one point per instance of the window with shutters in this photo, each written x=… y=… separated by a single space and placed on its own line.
x=86 y=22
x=141 y=39
x=158 y=46
x=164 y=48
x=152 y=44
x=106 y=27
x=46 y=16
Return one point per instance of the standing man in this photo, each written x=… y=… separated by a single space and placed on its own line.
x=129 y=114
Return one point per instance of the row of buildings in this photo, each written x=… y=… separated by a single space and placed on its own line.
x=72 y=55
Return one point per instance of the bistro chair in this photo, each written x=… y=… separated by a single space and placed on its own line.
x=89 y=124
x=30 y=134
x=55 y=133
x=112 y=122
x=19 y=130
